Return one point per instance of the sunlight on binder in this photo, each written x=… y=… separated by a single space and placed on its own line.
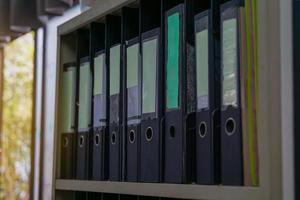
x=99 y=62
x=68 y=96
x=149 y=75
x=230 y=64
x=115 y=70
x=202 y=69
x=84 y=96
x=133 y=108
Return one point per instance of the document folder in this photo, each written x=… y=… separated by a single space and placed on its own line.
x=152 y=92
x=179 y=166
x=231 y=126
x=151 y=149
x=84 y=105
x=208 y=97
x=100 y=111
x=132 y=92
x=67 y=125
x=249 y=91
x=114 y=52
x=84 y=117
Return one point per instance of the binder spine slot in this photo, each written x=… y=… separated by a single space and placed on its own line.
x=97 y=139
x=149 y=134
x=202 y=130
x=113 y=138
x=230 y=126
x=81 y=141
x=172 y=131
x=132 y=136
x=65 y=142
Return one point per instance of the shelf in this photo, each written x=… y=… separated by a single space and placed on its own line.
x=184 y=191
x=100 y=9
x=273 y=168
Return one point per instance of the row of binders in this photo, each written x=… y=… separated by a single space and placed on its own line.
x=162 y=91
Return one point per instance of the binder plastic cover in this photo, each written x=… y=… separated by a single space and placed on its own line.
x=84 y=118
x=180 y=97
x=231 y=127
x=114 y=60
x=151 y=128
x=133 y=106
x=67 y=126
x=207 y=117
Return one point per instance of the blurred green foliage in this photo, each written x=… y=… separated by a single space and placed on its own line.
x=17 y=131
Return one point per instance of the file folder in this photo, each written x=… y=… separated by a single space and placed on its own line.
x=132 y=92
x=100 y=112
x=114 y=52
x=152 y=93
x=67 y=126
x=249 y=91
x=151 y=107
x=208 y=97
x=179 y=165
x=84 y=105
x=84 y=117
x=231 y=126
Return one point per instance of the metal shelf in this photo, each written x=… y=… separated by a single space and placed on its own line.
x=185 y=191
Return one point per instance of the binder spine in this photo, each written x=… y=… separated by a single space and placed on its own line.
x=207 y=117
x=84 y=135
x=231 y=133
x=132 y=126
x=174 y=153
x=67 y=122
x=132 y=93
x=113 y=44
x=98 y=163
x=84 y=105
x=180 y=113
x=152 y=122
